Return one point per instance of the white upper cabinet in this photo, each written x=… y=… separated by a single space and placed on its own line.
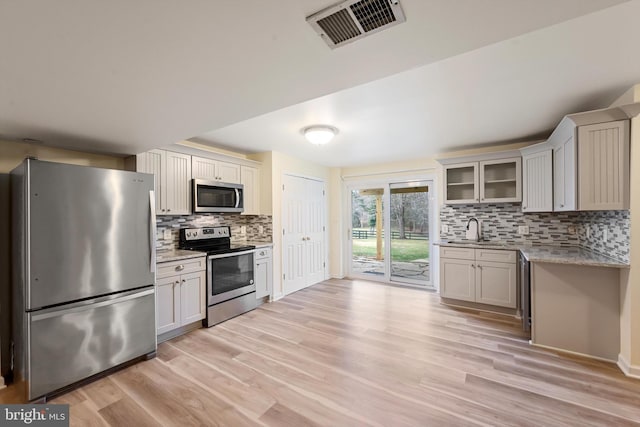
x=493 y=180
x=250 y=179
x=229 y=172
x=537 y=182
x=202 y=168
x=591 y=162
x=215 y=170
x=461 y=183
x=151 y=162
x=500 y=180
x=177 y=189
x=172 y=172
x=603 y=166
x=564 y=174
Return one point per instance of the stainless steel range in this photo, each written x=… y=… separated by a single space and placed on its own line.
x=230 y=272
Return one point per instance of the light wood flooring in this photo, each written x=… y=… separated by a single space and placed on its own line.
x=347 y=353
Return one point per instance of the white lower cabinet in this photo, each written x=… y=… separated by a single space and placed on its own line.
x=470 y=277
x=263 y=272
x=458 y=279
x=496 y=283
x=181 y=288
x=167 y=304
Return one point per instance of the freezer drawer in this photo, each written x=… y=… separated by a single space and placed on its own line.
x=74 y=342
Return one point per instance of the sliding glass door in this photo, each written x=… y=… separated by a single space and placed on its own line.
x=409 y=213
x=390 y=232
x=367 y=234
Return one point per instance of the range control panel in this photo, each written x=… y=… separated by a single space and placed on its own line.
x=206 y=233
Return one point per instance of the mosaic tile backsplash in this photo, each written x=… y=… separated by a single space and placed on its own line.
x=252 y=223
x=500 y=222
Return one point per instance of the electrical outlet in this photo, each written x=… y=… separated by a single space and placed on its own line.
x=587 y=231
x=571 y=229
x=444 y=228
x=523 y=229
x=260 y=229
x=605 y=234
x=243 y=229
x=167 y=234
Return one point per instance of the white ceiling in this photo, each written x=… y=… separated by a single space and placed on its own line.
x=124 y=77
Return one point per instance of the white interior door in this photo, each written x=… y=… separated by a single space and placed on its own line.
x=315 y=232
x=303 y=233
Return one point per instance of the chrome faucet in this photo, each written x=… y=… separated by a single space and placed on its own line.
x=473 y=234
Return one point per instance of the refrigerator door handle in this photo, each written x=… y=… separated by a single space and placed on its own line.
x=90 y=304
x=152 y=231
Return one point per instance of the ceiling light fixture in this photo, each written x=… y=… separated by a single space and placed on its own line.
x=319 y=134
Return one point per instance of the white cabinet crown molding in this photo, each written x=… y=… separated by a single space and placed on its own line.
x=495 y=155
x=183 y=149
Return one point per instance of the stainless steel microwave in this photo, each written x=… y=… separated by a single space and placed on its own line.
x=215 y=196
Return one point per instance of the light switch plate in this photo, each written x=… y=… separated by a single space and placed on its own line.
x=605 y=234
x=523 y=229
x=243 y=229
x=260 y=229
x=444 y=228
x=167 y=234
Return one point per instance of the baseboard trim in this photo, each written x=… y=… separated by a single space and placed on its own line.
x=575 y=353
x=628 y=369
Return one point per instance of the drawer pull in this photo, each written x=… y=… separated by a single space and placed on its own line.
x=180 y=267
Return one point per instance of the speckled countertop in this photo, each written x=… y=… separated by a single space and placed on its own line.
x=551 y=254
x=569 y=255
x=177 y=254
x=259 y=244
x=480 y=245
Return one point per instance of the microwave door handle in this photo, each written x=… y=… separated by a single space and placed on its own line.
x=237 y=198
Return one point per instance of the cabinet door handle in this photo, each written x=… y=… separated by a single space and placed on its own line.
x=177 y=282
x=562 y=206
x=184 y=281
x=168 y=210
x=180 y=267
x=473 y=265
x=479 y=266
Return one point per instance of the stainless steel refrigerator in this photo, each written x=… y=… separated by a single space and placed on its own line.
x=83 y=273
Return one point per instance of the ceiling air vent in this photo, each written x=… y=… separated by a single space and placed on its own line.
x=354 y=19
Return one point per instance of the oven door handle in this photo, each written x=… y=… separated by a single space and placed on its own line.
x=230 y=254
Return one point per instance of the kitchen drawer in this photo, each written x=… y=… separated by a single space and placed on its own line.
x=262 y=253
x=457 y=253
x=496 y=255
x=167 y=269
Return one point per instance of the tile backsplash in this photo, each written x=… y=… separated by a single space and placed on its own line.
x=252 y=223
x=500 y=221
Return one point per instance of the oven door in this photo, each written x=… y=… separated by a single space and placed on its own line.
x=229 y=276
